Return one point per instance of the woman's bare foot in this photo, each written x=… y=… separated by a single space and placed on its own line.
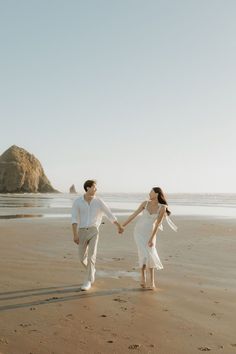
x=143 y=284
x=152 y=287
x=143 y=277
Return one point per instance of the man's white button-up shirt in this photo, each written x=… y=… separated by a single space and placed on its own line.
x=90 y=214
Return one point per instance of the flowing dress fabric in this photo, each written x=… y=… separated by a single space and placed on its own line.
x=142 y=233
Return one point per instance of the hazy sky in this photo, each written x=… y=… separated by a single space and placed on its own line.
x=133 y=93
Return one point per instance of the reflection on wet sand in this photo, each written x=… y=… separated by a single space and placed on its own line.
x=35 y=200
x=19 y=216
x=117 y=274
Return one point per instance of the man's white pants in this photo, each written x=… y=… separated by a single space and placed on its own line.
x=88 y=241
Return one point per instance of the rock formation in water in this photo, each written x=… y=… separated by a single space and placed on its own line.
x=72 y=189
x=21 y=172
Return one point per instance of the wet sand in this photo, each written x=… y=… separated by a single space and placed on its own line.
x=43 y=310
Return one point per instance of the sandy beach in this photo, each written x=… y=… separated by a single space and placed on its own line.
x=43 y=310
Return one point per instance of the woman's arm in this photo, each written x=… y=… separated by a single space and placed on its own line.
x=133 y=216
x=157 y=223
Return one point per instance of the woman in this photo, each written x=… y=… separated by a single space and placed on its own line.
x=145 y=231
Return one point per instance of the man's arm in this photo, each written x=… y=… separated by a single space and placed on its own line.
x=75 y=233
x=74 y=217
x=110 y=216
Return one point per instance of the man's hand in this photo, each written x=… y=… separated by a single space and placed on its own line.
x=75 y=233
x=76 y=238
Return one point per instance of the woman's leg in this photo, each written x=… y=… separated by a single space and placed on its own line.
x=143 y=276
x=152 y=280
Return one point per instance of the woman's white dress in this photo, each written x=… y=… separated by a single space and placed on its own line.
x=142 y=233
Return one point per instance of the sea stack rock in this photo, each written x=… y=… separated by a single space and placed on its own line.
x=72 y=189
x=21 y=172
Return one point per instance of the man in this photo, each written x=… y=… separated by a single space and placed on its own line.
x=87 y=213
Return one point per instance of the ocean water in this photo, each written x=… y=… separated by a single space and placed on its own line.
x=59 y=205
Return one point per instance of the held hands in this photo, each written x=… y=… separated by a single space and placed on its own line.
x=120 y=229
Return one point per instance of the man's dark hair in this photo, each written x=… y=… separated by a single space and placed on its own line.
x=89 y=183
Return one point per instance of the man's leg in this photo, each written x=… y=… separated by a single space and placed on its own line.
x=83 y=247
x=92 y=253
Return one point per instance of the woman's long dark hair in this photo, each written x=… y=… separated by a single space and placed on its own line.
x=161 y=198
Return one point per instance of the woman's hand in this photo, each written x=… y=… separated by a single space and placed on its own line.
x=150 y=243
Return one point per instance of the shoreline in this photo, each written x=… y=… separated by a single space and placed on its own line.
x=14 y=213
x=181 y=204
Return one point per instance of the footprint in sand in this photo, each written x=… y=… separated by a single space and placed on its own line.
x=204 y=349
x=87 y=327
x=106 y=329
x=52 y=298
x=69 y=316
x=134 y=346
x=25 y=325
x=124 y=308
x=119 y=300
x=220 y=347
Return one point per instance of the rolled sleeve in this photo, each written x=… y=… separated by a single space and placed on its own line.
x=106 y=210
x=75 y=213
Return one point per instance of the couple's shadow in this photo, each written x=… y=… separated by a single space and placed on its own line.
x=57 y=294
